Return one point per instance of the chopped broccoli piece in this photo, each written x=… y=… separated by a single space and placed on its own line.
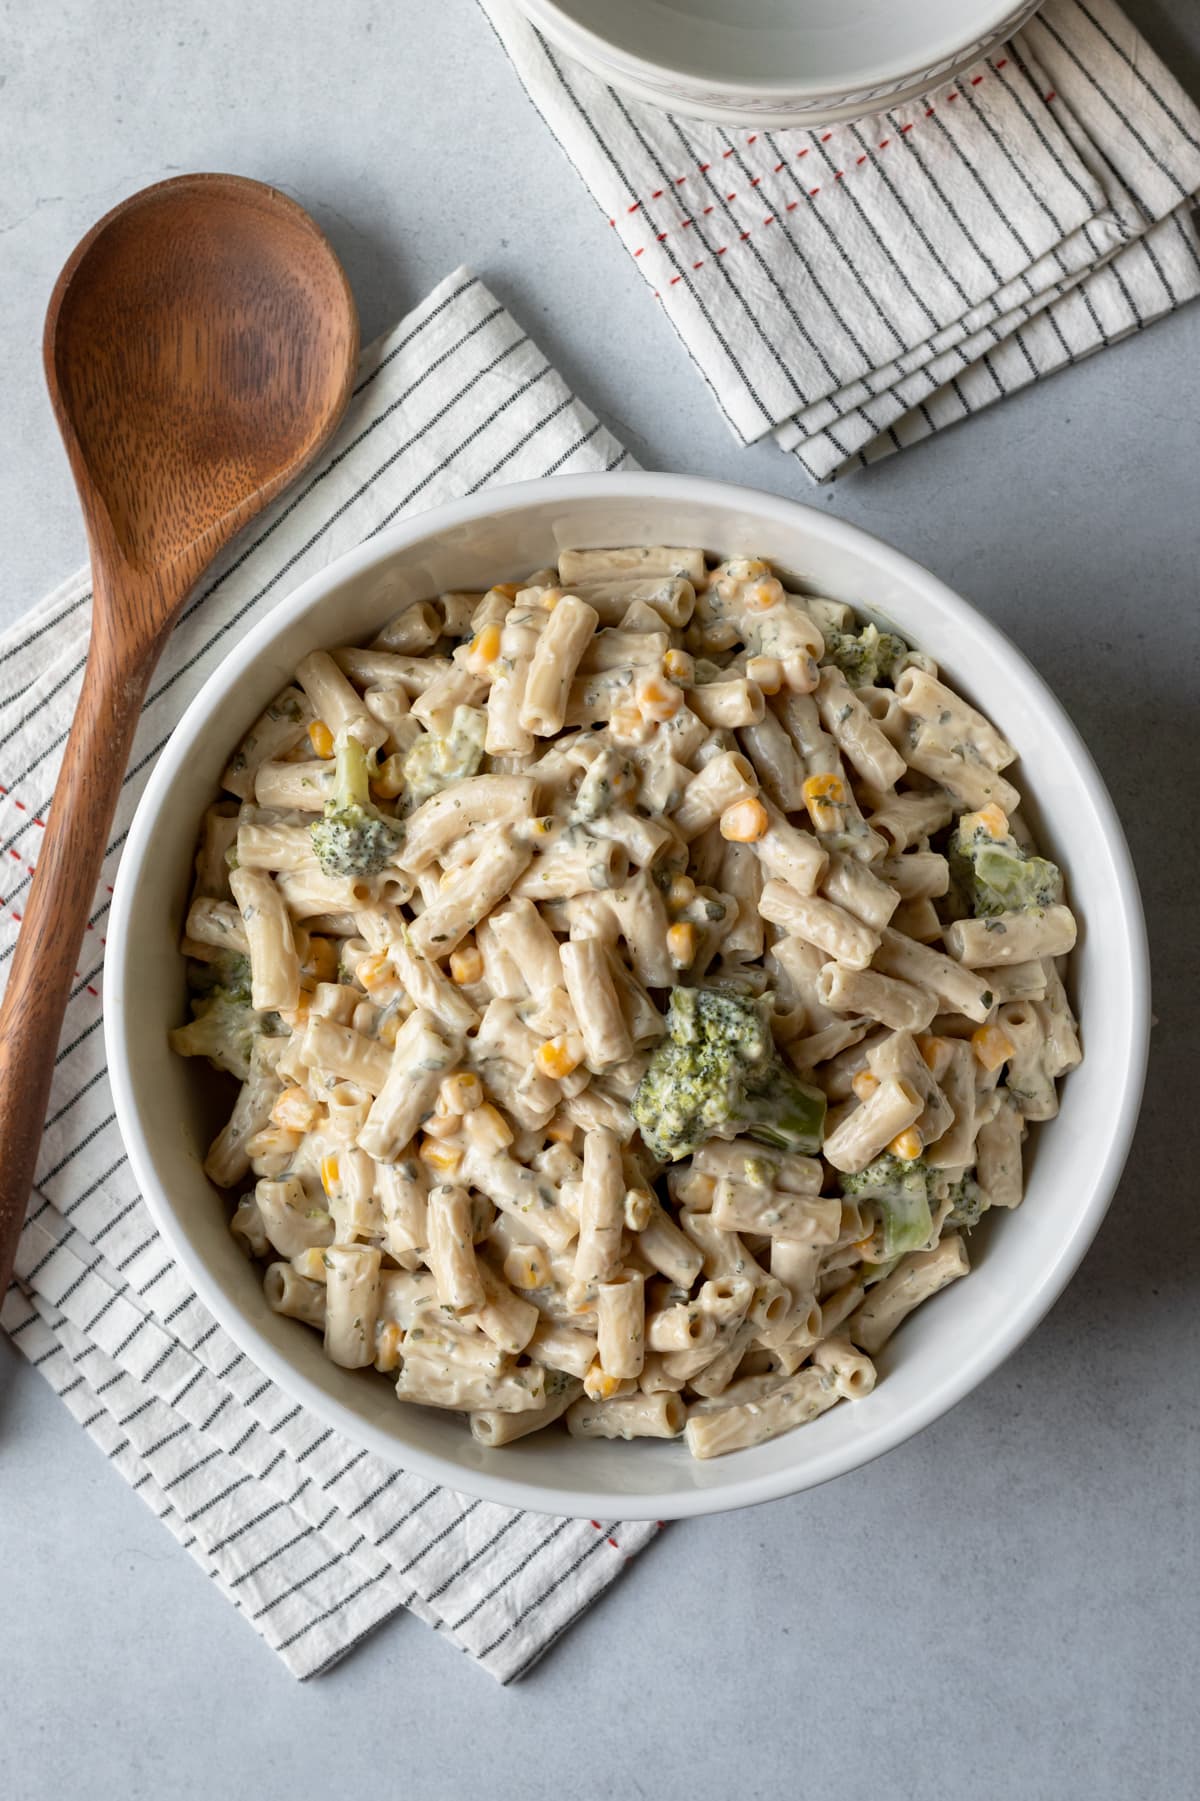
x=718 y=1073
x=439 y=758
x=994 y=875
x=867 y=658
x=968 y=1202
x=223 y=1028
x=900 y=1189
x=353 y=837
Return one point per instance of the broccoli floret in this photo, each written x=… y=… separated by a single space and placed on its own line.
x=353 y=837
x=968 y=1202
x=900 y=1189
x=992 y=873
x=865 y=658
x=439 y=758
x=718 y=1073
x=223 y=1028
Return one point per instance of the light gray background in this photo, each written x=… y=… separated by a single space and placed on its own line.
x=1007 y=1606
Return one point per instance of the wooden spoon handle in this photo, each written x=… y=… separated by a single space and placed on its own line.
x=45 y=965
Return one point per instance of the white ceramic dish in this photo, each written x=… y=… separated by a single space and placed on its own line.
x=1023 y=1260
x=776 y=62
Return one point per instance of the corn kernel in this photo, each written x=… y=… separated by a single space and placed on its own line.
x=388 y=1029
x=865 y=1084
x=462 y=1093
x=679 y=666
x=824 y=796
x=937 y=1052
x=329 y=1173
x=767 y=672
x=296 y=1016
x=628 y=726
x=374 y=971
x=295 y=1110
x=598 y=1385
x=561 y=1130
x=745 y=821
x=321 y=738
x=439 y=1155
x=749 y=567
x=487 y=1128
x=272 y=1141
x=388 y=1340
x=681 y=943
x=760 y=596
x=485 y=645
x=681 y=893
x=527 y=1266
x=388 y=780
x=992 y=1046
x=466 y=964
x=659 y=700
x=906 y=1145
x=638 y=1208
x=991 y=818
x=510 y=590
x=549 y=598
x=558 y=1057
x=321 y=959
x=310 y=1263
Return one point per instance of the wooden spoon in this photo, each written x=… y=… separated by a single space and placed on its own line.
x=200 y=348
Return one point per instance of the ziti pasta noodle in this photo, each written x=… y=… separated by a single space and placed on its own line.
x=637 y=990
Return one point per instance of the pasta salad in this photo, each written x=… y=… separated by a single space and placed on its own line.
x=639 y=980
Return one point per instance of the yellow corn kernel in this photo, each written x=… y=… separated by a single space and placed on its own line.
x=628 y=726
x=374 y=971
x=937 y=1052
x=752 y=566
x=549 y=598
x=466 y=964
x=558 y=1057
x=273 y=1141
x=906 y=1145
x=295 y=1110
x=462 y=1093
x=598 y=1385
x=510 y=590
x=296 y=1016
x=487 y=1128
x=561 y=1130
x=388 y=780
x=329 y=1173
x=865 y=1084
x=527 y=1266
x=681 y=943
x=321 y=959
x=760 y=596
x=388 y=1340
x=679 y=666
x=745 y=821
x=767 y=672
x=658 y=700
x=824 y=796
x=321 y=738
x=439 y=1155
x=681 y=893
x=485 y=645
x=310 y=1263
x=992 y=819
x=443 y=1125
x=638 y=1208
x=388 y=1029
x=992 y=1046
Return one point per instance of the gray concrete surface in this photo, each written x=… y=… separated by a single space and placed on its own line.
x=1005 y=1607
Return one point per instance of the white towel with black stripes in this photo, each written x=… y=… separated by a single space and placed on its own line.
x=856 y=288
x=314 y=1542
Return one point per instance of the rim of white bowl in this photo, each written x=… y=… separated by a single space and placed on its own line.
x=1035 y=1301
x=615 y=56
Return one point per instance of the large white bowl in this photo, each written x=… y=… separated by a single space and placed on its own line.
x=1023 y=1260
x=776 y=62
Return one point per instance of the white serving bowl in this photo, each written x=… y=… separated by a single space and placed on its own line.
x=1023 y=1260
x=776 y=62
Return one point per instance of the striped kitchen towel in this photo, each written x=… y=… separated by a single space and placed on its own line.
x=314 y=1542
x=855 y=288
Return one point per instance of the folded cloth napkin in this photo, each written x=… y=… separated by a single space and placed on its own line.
x=856 y=288
x=316 y=1543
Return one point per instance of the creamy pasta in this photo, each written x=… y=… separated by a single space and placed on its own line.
x=639 y=980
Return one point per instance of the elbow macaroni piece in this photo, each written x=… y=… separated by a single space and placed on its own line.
x=630 y=772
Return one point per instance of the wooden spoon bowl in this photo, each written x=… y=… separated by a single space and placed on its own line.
x=200 y=349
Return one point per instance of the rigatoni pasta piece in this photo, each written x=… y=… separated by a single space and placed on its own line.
x=556 y=656
x=351 y=1303
x=471 y=895
x=819 y=922
x=274 y=964
x=451 y=1251
x=601 y=1209
x=863 y=1134
x=855 y=733
x=659 y=1415
x=1012 y=937
x=914 y=1279
x=589 y=982
x=621 y=1324
x=420 y=1058
x=295 y=1296
x=892 y=1002
x=796 y=1401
